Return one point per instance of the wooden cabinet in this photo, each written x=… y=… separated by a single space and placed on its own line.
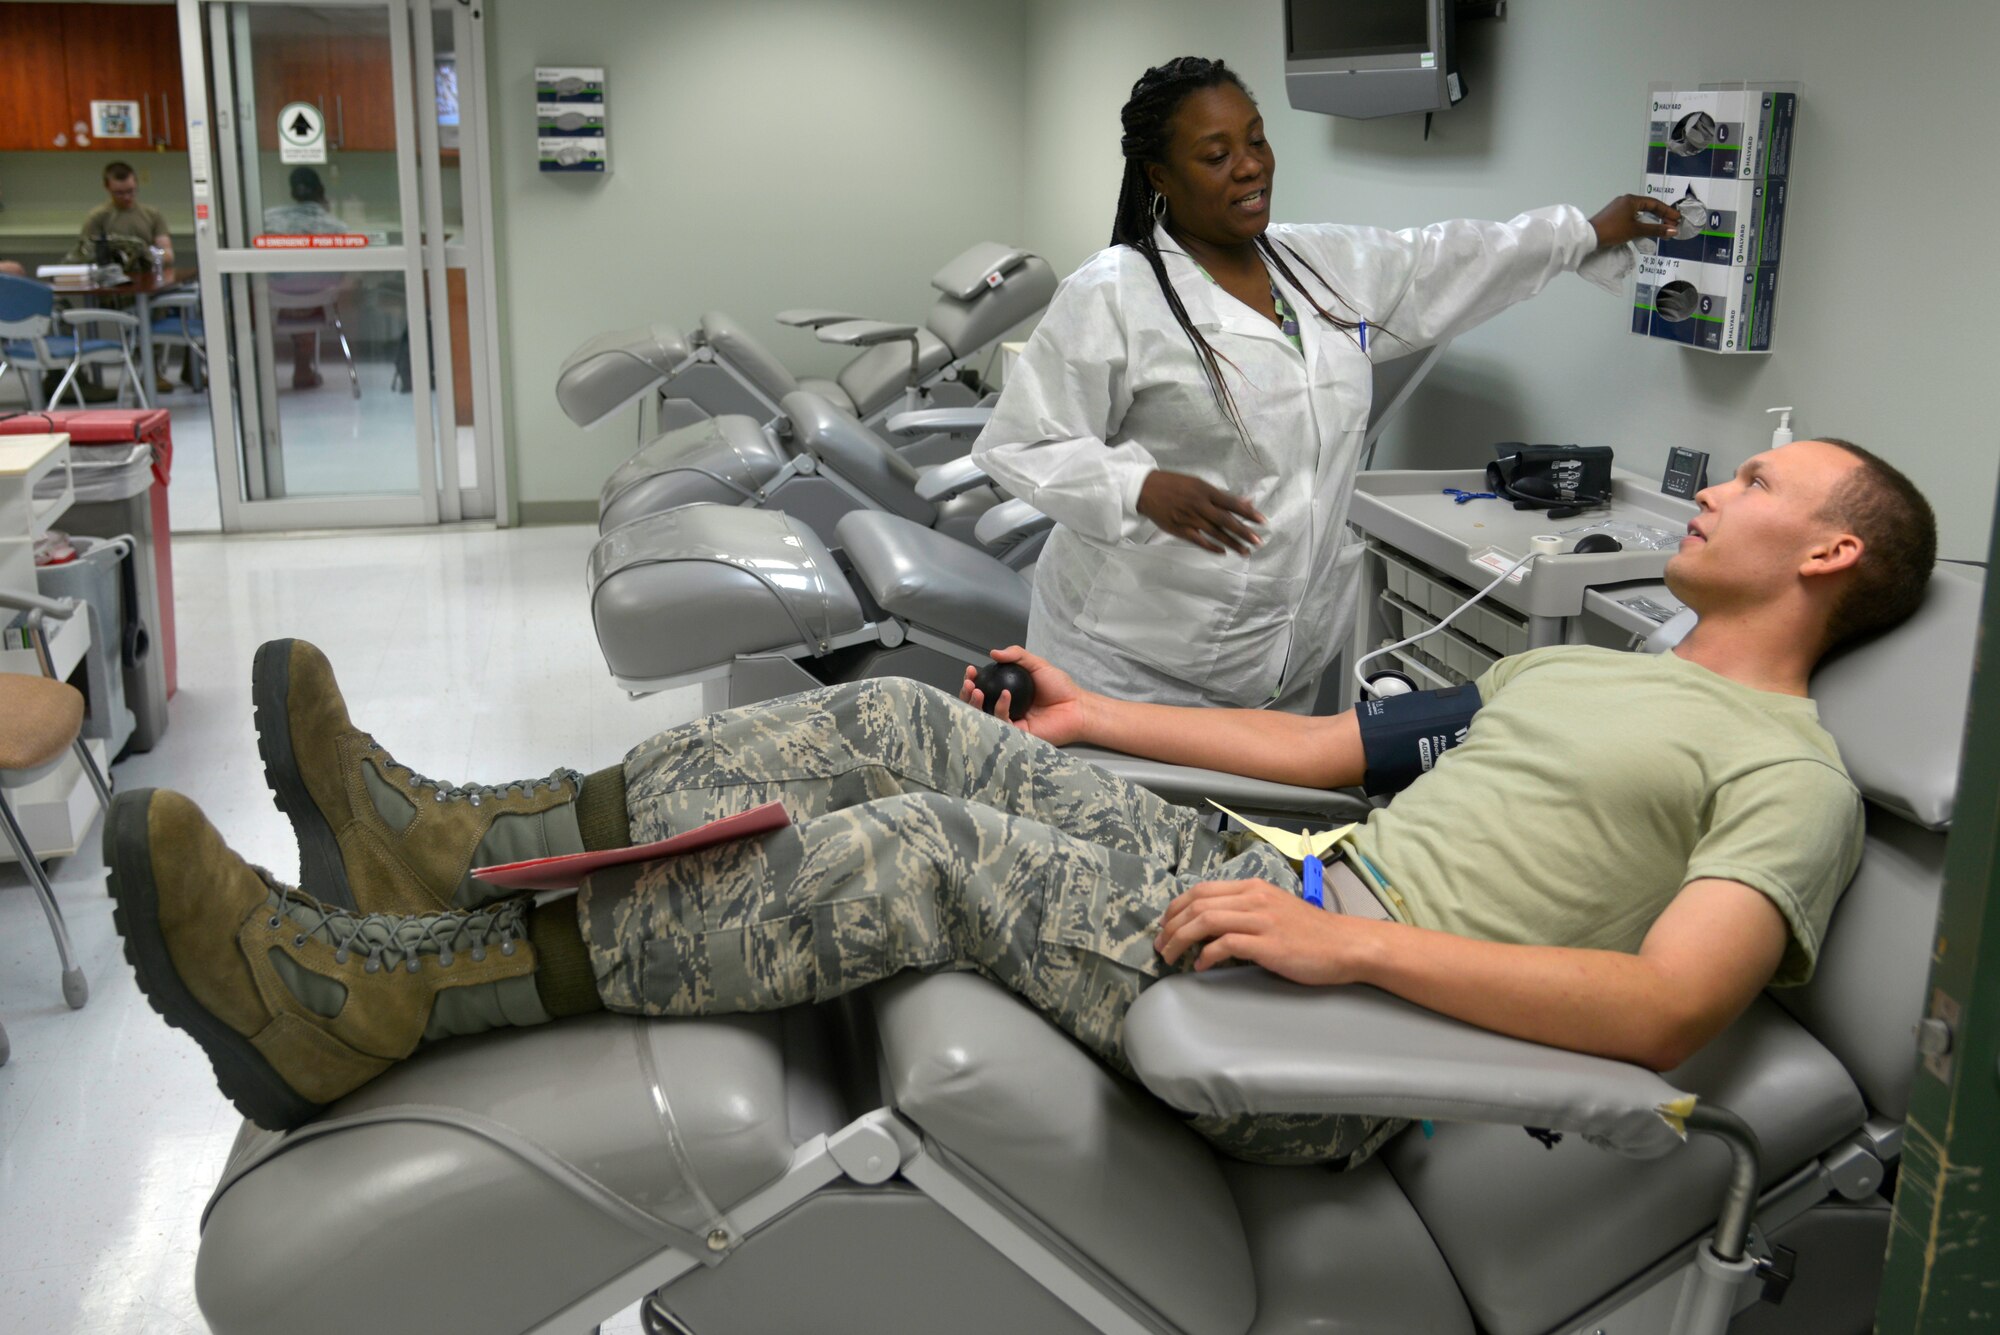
x=125 y=53
x=34 y=87
x=346 y=75
x=55 y=60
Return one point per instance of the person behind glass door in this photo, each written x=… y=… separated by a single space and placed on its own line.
x=306 y=215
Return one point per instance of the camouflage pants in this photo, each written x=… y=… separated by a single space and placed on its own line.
x=925 y=836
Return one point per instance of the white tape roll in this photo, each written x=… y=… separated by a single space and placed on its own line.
x=1546 y=544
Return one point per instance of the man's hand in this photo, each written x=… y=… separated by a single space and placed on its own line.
x=1257 y=922
x=1059 y=713
x=1196 y=512
x=1631 y=217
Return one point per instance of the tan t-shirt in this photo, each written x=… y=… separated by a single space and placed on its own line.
x=1594 y=784
x=141 y=222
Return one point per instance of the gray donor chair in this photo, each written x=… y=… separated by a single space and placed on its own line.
x=721 y=368
x=679 y=596
x=751 y=604
x=816 y=462
x=929 y=1154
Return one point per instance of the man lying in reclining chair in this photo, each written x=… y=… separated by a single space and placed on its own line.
x=1622 y=853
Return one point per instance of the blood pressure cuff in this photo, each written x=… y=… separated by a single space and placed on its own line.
x=1402 y=736
x=1551 y=476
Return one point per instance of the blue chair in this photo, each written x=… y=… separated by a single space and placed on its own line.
x=177 y=322
x=28 y=320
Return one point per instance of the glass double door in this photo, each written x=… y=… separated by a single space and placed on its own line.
x=339 y=208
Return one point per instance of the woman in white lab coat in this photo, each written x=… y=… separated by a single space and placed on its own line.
x=1191 y=408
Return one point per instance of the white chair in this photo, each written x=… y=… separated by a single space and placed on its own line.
x=89 y=347
x=307 y=304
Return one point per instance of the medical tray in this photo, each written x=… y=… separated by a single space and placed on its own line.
x=1410 y=511
x=1497 y=629
x=1459 y=657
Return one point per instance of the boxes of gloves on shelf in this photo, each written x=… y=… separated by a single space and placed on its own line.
x=1722 y=219
x=571 y=116
x=1721 y=156
x=1737 y=132
x=1715 y=307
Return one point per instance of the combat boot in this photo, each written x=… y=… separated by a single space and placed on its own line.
x=374 y=835
x=297 y=1003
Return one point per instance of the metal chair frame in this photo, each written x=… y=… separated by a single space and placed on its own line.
x=34 y=321
x=176 y=320
x=76 y=988
x=298 y=306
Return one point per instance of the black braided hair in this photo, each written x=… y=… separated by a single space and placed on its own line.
x=1145 y=118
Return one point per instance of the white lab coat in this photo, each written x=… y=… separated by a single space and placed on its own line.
x=1109 y=389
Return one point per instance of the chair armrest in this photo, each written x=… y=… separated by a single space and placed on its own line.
x=79 y=316
x=62 y=609
x=810 y=318
x=865 y=333
x=1241 y=1040
x=1007 y=524
x=947 y=480
x=1187 y=786
x=940 y=422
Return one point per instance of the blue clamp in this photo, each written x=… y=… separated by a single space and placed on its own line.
x=1460 y=497
x=1314 y=892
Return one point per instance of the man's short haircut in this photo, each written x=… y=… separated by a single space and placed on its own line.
x=1898 y=533
x=118 y=171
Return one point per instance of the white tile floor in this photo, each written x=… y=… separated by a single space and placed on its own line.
x=335 y=444
x=468 y=653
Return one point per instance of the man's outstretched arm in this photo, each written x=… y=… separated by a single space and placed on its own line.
x=1717 y=945
x=1312 y=752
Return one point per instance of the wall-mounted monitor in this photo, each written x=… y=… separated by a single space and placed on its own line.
x=1366 y=58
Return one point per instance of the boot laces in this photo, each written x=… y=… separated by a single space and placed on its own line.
x=476 y=792
x=392 y=940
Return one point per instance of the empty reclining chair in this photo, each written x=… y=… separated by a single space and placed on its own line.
x=930 y=1154
x=752 y=604
x=827 y=470
x=720 y=368
x=817 y=464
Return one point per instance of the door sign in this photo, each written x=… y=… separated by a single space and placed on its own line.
x=301 y=133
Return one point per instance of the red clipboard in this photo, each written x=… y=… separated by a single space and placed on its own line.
x=561 y=873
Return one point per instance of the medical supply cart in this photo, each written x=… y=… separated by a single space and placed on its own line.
x=1428 y=552
x=36 y=488
x=122 y=462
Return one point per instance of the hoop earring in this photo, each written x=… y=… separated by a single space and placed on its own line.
x=1159 y=209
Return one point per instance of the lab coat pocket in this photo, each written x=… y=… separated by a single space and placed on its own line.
x=1166 y=606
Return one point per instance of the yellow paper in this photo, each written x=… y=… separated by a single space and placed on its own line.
x=1298 y=847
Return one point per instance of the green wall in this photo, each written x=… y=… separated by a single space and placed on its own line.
x=765 y=154
x=1884 y=326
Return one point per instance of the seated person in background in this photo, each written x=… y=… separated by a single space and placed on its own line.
x=306 y=215
x=1621 y=854
x=127 y=227
x=122 y=220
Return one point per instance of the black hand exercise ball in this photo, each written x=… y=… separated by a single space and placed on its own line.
x=1012 y=678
